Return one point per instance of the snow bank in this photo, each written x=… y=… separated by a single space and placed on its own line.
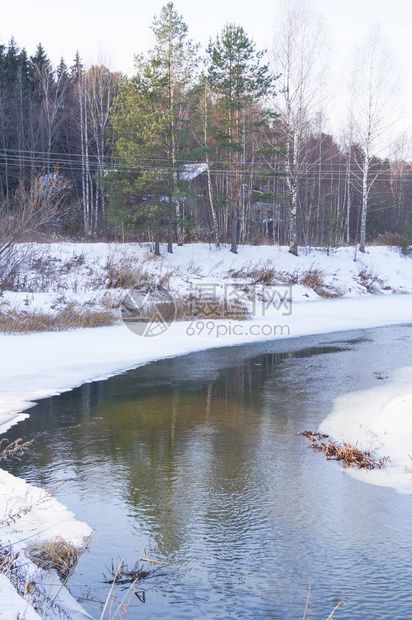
x=31 y=515
x=12 y=603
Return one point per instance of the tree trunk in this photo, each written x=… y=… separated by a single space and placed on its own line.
x=157 y=244
x=209 y=180
x=170 y=241
x=365 y=196
x=293 y=237
x=233 y=235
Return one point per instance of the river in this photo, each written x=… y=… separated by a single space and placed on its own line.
x=197 y=461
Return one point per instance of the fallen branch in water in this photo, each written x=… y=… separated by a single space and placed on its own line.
x=349 y=455
x=125 y=575
x=147 y=559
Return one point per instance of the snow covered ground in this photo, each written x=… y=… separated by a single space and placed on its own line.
x=38 y=365
x=53 y=275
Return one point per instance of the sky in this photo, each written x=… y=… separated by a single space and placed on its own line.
x=113 y=32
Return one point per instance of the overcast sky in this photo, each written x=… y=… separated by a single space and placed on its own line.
x=112 y=31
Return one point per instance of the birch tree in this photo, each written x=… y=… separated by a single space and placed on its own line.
x=298 y=55
x=96 y=90
x=372 y=92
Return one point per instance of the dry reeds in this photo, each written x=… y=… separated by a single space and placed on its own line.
x=370 y=280
x=126 y=577
x=344 y=452
x=70 y=317
x=14 y=449
x=126 y=273
x=58 y=555
x=265 y=275
x=330 y=617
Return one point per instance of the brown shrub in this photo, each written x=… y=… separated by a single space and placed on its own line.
x=347 y=454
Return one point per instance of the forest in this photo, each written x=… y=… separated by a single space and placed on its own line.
x=225 y=145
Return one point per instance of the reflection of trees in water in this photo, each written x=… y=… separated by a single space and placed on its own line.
x=184 y=453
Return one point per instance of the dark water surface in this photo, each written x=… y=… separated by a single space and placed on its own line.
x=198 y=460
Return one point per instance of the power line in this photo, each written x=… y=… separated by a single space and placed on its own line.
x=77 y=158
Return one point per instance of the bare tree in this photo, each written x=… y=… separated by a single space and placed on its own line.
x=299 y=56
x=96 y=89
x=54 y=94
x=32 y=207
x=372 y=92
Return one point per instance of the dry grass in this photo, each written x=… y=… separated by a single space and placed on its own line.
x=314 y=278
x=58 y=555
x=126 y=273
x=55 y=555
x=347 y=454
x=70 y=317
x=370 y=280
x=37 y=272
x=11 y=567
x=389 y=238
x=267 y=275
x=14 y=566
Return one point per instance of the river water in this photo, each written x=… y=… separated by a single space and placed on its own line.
x=197 y=460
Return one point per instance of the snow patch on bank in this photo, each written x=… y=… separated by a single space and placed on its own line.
x=30 y=515
x=380 y=420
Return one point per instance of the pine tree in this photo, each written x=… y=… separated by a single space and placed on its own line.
x=138 y=185
x=150 y=121
x=239 y=79
x=175 y=58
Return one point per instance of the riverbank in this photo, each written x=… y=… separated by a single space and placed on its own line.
x=39 y=365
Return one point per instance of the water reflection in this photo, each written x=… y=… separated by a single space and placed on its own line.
x=198 y=460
